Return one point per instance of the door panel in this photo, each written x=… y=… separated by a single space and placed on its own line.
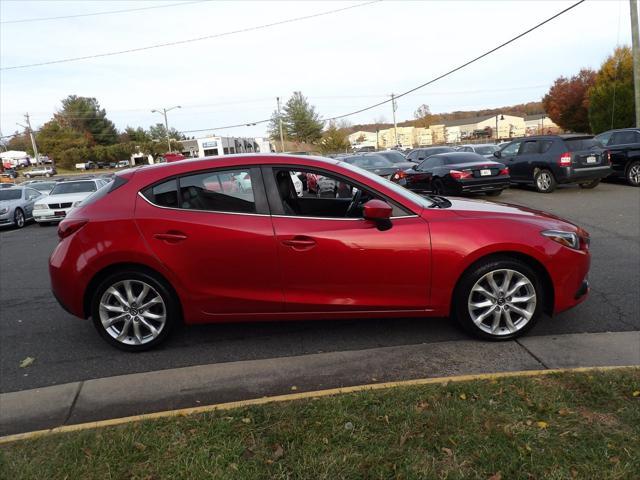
x=331 y=265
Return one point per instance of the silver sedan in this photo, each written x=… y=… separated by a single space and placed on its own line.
x=16 y=205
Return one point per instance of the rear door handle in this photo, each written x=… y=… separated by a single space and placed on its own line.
x=170 y=237
x=300 y=243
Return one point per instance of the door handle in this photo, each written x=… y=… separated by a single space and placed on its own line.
x=300 y=243
x=170 y=237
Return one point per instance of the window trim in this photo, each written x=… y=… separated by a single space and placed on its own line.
x=259 y=193
x=277 y=210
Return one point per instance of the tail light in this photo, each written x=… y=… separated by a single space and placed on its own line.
x=504 y=171
x=457 y=174
x=68 y=227
x=565 y=160
x=398 y=175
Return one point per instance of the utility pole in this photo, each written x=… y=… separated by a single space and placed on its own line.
x=164 y=111
x=394 y=106
x=280 y=123
x=635 y=46
x=33 y=139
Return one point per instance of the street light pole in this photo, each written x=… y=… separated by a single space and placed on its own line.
x=280 y=125
x=635 y=47
x=166 y=123
x=395 y=125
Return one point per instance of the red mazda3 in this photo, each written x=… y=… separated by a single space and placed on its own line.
x=229 y=239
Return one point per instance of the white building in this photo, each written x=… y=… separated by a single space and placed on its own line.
x=219 y=146
x=539 y=124
x=362 y=139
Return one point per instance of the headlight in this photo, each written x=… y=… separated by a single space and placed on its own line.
x=39 y=206
x=3 y=211
x=76 y=204
x=568 y=239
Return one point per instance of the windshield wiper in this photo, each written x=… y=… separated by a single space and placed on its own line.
x=438 y=201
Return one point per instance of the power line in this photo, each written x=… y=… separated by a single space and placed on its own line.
x=460 y=67
x=190 y=40
x=43 y=19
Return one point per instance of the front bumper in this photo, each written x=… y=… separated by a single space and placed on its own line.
x=6 y=219
x=47 y=215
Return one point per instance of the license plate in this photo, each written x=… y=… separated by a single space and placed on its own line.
x=485 y=173
x=60 y=213
x=591 y=159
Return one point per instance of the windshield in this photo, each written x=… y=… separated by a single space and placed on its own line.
x=408 y=194
x=10 y=195
x=73 y=187
x=486 y=150
x=43 y=186
x=371 y=162
x=393 y=156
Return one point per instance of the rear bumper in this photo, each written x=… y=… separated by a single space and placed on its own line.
x=482 y=185
x=577 y=175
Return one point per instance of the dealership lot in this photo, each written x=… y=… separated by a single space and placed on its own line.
x=66 y=349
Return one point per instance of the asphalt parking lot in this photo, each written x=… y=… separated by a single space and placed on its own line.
x=67 y=349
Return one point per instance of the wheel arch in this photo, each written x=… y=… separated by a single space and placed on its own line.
x=533 y=263
x=116 y=267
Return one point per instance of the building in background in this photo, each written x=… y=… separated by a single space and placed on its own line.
x=219 y=146
x=361 y=139
x=540 y=124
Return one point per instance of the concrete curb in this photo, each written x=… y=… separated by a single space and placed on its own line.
x=103 y=399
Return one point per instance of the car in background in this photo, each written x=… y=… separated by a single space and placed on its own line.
x=397 y=158
x=417 y=155
x=42 y=186
x=8 y=183
x=485 y=149
x=374 y=163
x=623 y=149
x=455 y=173
x=11 y=173
x=548 y=160
x=123 y=164
x=138 y=262
x=64 y=196
x=16 y=205
x=40 y=172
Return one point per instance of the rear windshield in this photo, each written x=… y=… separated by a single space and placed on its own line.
x=370 y=162
x=394 y=156
x=73 y=187
x=581 y=144
x=486 y=150
x=10 y=194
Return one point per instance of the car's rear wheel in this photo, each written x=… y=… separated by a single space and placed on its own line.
x=499 y=299
x=591 y=184
x=134 y=311
x=438 y=187
x=544 y=181
x=18 y=218
x=493 y=193
x=633 y=174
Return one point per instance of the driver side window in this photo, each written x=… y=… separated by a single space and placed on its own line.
x=308 y=193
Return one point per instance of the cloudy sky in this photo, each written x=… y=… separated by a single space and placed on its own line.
x=342 y=61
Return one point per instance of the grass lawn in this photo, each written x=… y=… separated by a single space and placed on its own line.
x=560 y=426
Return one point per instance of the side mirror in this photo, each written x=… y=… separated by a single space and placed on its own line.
x=497 y=154
x=378 y=212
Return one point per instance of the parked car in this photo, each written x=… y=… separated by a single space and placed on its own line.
x=375 y=163
x=455 y=173
x=7 y=183
x=138 y=261
x=623 y=150
x=11 y=173
x=547 y=160
x=43 y=187
x=123 y=164
x=485 y=149
x=63 y=197
x=417 y=155
x=397 y=158
x=40 y=172
x=16 y=205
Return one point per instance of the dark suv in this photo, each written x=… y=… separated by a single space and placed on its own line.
x=548 y=160
x=623 y=148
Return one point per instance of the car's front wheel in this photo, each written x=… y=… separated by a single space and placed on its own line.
x=18 y=218
x=134 y=311
x=499 y=299
x=633 y=174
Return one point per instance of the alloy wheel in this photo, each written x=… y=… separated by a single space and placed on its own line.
x=502 y=302
x=19 y=218
x=634 y=174
x=544 y=181
x=132 y=312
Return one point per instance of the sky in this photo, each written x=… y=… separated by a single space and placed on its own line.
x=342 y=62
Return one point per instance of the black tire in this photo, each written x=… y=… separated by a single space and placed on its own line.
x=19 y=220
x=544 y=181
x=461 y=296
x=169 y=297
x=494 y=193
x=438 y=187
x=632 y=174
x=590 y=185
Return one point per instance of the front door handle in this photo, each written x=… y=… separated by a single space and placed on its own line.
x=300 y=243
x=170 y=237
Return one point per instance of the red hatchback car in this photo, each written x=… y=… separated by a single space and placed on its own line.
x=228 y=239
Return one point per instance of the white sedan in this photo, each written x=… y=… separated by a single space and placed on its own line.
x=64 y=196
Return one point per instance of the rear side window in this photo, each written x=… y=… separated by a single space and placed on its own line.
x=578 y=144
x=529 y=147
x=545 y=145
x=226 y=191
x=164 y=194
x=624 y=138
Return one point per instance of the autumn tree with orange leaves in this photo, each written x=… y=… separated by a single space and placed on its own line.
x=567 y=102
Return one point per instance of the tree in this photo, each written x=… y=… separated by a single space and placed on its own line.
x=611 y=99
x=158 y=132
x=134 y=135
x=53 y=139
x=300 y=120
x=567 y=102
x=84 y=115
x=20 y=142
x=423 y=116
x=334 y=139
